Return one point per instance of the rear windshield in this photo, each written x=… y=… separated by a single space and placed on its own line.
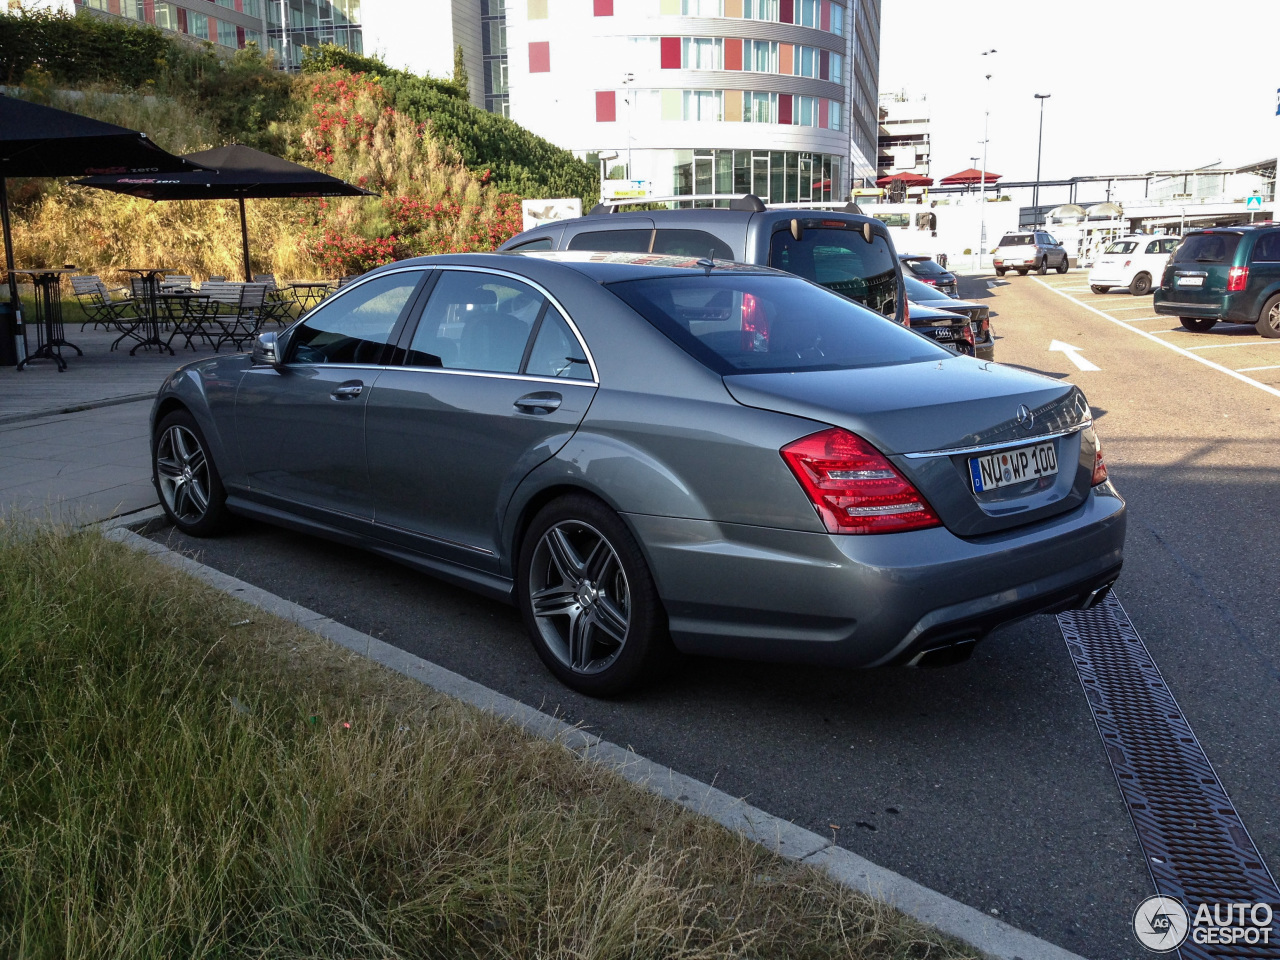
x=770 y=324
x=921 y=291
x=925 y=268
x=1017 y=240
x=841 y=260
x=1207 y=248
x=1122 y=246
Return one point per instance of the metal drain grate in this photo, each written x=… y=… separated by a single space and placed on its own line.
x=1195 y=844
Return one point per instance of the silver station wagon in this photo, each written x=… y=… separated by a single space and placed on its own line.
x=649 y=453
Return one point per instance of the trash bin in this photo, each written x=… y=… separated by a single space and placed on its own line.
x=10 y=334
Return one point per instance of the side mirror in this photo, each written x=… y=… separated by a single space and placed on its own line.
x=266 y=351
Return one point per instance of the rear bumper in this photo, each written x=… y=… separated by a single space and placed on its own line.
x=1109 y=278
x=766 y=594
x=1212 y=310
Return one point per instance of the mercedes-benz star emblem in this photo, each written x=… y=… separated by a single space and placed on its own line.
x=1026 y=419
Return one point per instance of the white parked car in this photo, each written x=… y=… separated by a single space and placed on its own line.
x=1136 y=262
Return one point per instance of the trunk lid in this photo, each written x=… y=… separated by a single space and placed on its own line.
x=1201 y=267
x=933 y=418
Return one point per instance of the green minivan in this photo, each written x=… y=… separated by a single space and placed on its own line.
x=1230 y=274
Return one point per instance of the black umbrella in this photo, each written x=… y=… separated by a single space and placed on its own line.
x=38 y=141
x=238 y=173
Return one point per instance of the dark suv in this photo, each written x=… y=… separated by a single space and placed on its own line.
x=1227 y=273
x=844 y=251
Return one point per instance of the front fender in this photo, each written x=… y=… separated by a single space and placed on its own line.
x=207 y=390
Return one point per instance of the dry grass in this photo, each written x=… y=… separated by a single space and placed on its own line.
x=183 y=776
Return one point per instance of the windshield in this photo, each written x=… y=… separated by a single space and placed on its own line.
x=1122 y=246
x=841 y=260
x=770 y=324
x=1207 y=248
x=1017 y=240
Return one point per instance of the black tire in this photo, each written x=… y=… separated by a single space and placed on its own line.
x=1065 y=265
x=1043 y=266
x=584 y=570
x=1196 y=324
x=1269 y=320
x=1140 y=286
x=186 y=478
x=1000 y=271
x=1098 y=289
x=1022 y=271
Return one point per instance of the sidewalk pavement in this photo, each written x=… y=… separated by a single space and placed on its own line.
x=74 y=446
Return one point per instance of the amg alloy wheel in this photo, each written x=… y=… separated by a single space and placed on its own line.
x=588 y=599
x=186 y=477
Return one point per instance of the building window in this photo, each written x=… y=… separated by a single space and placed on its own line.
x=496 y=71
x=253 y=8
x=702 y=8
x=166 y=16
x=493 y=8
x=835 y=119
x=837 y=19
x=198 y=25
x=540 y=57
x=806 y=62
x=702 y=53
x=760 y=10
x=774 y=176
x=703 y=105
x=806 y=14
x=606 y=106
x=759 y=107
x=760 y=56
x=837 y=68
x=806 y=112
x=226 y=35
x=495 y=38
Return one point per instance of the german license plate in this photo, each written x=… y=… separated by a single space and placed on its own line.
x=1191 y=281
x=1008 y=467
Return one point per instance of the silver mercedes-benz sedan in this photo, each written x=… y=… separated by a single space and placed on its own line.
x=649 y=453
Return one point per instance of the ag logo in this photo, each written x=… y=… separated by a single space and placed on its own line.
x=1160 y=924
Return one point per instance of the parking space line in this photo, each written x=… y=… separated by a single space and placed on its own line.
x=1242 y=343
x=1275 y=392
x=1137 y=306
x=1274 y=366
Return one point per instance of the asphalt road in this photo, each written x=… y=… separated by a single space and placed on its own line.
x=985 y=781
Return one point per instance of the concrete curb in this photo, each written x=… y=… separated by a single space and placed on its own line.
x=974 y=928
x=77 y=408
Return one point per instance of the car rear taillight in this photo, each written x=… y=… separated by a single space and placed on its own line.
x=1237 y=279
x=854 y=488
x=755 y=326
x=932 y=283
x=1099 y=466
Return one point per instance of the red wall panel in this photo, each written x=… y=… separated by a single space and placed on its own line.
x=604 y=8
x=784 y=108
x=606 y=106
x=540 y=57
x=733 y=54
x=670 y=53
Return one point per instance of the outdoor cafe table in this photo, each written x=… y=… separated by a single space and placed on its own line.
x=310 y=292
x=187 y=310
x=150 y=316
x=48 y=310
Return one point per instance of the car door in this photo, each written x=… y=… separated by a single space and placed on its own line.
x=300 y=426
x=494 y=380
x=1154 y=259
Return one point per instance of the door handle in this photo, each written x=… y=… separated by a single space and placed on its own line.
x=539 y=402
x=347 y=391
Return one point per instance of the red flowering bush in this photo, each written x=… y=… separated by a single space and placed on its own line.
x=430 y=202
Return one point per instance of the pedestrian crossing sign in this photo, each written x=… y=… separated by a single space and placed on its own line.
x=1253 y=203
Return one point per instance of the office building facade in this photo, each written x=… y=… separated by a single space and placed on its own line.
x=285 y=26
x=903 y=144
x=772 y=97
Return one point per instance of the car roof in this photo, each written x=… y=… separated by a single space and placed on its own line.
x=601 y=266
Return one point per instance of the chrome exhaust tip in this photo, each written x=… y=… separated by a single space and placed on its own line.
x=1096 y=596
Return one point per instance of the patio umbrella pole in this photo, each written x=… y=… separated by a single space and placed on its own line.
x=244 y=241
x=19 y=342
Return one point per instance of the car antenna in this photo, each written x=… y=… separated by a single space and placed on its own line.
x=706 y=263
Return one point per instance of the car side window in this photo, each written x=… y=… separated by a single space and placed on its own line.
x=356 y=325
x=1267 y=248
x=542 y=243
x=1168 y=244
x=691 y=243
x=1153 y=247
x=556 y=351
x=615 y=241
x=475 y=321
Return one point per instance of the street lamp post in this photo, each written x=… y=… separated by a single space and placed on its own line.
x=1035 y=197
x=982 y=187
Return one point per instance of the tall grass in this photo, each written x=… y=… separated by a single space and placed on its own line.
x=180 y=776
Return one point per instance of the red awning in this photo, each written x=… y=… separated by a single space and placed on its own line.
x=970 y=176
x=910 y=179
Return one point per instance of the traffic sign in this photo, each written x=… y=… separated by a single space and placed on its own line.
x=1253 y=203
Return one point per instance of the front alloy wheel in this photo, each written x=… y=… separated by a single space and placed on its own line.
x=186 y=478
x=588 y=599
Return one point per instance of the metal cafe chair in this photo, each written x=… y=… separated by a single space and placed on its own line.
x=99 y=306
